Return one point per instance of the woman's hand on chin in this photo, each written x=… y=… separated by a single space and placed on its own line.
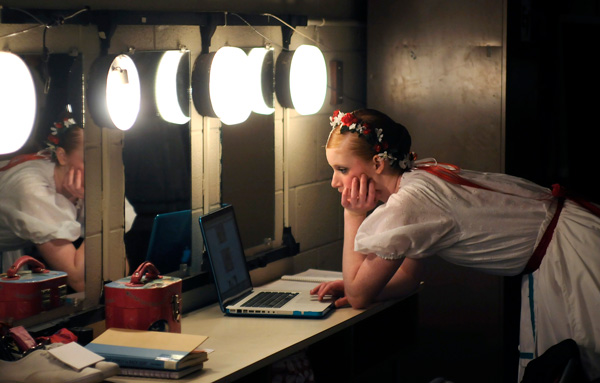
x=73 y=186
x=360 y=198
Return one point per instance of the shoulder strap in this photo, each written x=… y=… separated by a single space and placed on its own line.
x=20 y=159
x=449 y=173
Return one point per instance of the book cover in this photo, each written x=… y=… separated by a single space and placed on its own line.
x=149 y=349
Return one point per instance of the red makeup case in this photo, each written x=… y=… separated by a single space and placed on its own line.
x=146 y=301
x=24 y=293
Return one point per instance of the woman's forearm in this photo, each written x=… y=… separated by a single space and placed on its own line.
x=406 y=281
x=365 y=275
x=351 y=259
x=60 y=254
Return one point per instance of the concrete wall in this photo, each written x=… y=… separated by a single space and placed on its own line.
x=437 y=67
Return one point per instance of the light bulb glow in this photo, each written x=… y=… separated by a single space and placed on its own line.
x=17 y=103
x=256 y=58
x=123 y=92
x=166 y=88
x=308 y=79
x=228 y=85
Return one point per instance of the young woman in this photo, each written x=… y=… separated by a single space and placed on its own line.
x=494 y=223
x=42 y=203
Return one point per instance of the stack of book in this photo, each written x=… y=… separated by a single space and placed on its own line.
x=150 y=353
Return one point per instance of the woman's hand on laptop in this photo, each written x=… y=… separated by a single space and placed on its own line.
x=333 y=289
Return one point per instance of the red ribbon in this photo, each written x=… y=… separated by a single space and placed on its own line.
x=20 y=159
x=450 y=174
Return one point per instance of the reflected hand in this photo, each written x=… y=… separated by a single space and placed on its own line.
x=335 y=289
x=73 y=184
x=360 y=198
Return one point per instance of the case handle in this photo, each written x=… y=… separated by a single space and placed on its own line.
x=146 y=271
x=35 y=265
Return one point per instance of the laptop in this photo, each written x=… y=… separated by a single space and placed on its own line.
x=170 y=241
x=225 y=253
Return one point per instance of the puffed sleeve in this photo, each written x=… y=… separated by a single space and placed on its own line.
x=408 y=225
x=33 y=210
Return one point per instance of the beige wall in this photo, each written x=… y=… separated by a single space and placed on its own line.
x=438 y=68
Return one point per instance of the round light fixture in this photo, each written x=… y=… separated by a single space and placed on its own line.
x=115 y=91
x=17 y=103
x=301 y=79
x=166 y=88
x=220 y=85
x=260 y=68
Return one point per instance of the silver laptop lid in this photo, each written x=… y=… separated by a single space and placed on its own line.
x=225 y=253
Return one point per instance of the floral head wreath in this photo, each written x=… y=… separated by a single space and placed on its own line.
x=374 y=136
x=57 y=133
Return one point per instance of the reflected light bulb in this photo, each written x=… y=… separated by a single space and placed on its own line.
x=256 y=59
x=17 y=103
x=308 y=79
x=166 y=88
x=228 y=85
x=123 y=92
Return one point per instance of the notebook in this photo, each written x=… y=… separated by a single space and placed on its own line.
x=170 y=241
x=225 y=253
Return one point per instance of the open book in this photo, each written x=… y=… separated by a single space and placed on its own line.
x=314 y=275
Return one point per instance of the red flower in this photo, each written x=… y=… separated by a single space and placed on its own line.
x=349 y=119
x=335 y=114
x=377 y=148
x=58 y=125
x=366 y=131
x=53 y=139
x=385 y=145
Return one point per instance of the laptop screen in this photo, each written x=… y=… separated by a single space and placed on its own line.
x=170 y=241
x=225 y=253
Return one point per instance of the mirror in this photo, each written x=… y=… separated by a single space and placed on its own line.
x=248 y=160
x=248 y=176
x=59 y=82
x=157 y=161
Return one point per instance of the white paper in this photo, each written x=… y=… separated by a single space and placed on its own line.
x=314 y=275
x=75 y=355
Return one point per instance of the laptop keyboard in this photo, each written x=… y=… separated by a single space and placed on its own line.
x=270 y=299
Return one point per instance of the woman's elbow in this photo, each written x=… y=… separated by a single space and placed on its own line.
x=359 y=302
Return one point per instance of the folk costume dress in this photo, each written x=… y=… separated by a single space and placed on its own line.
x=496 y=231
x=31 y=211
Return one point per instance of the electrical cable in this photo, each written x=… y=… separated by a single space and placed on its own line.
x=293 y=29
x=254 y=29
x=22 y=31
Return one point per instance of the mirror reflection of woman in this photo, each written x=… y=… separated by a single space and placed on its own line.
x=42 y=203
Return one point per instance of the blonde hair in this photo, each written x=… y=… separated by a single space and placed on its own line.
x=354 y=143
x=395 y=134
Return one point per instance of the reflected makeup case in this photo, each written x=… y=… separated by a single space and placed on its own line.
x=144 y=301
x=24 y=293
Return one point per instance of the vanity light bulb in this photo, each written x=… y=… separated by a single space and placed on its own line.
x=123 y=92
x=308 y=79
x=228 y=85
x=256 y=60
x=166 y=88
x=17 y=103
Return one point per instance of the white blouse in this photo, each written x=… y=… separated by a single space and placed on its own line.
x=31 y=211
x=494 y=231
